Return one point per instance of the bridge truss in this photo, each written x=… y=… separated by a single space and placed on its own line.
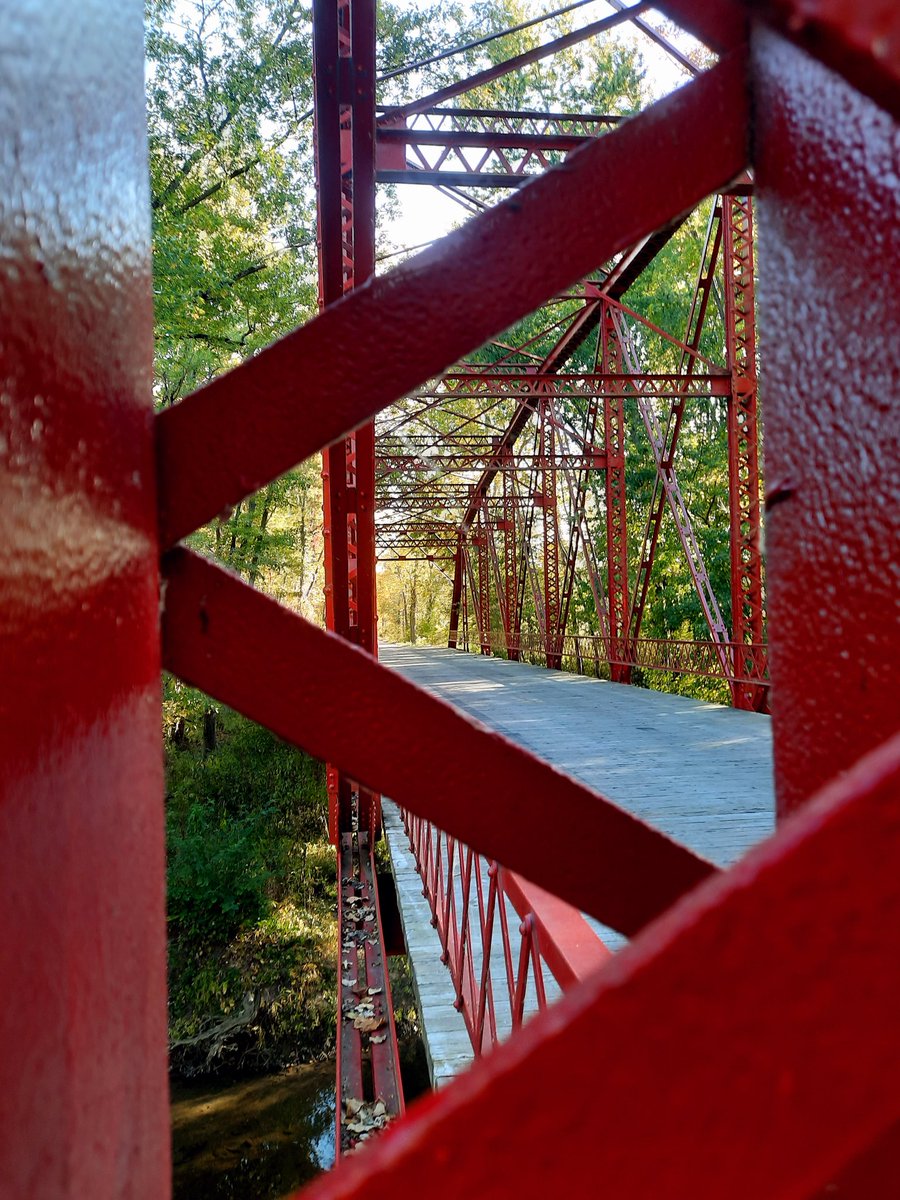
x=510 y=472
x=746 y=1044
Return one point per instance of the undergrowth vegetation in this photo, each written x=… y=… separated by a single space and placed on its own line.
x=251 y=893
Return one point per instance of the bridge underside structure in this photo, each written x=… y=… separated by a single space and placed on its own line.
x=746 y=1043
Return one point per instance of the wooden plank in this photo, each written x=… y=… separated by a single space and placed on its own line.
x=700 y=772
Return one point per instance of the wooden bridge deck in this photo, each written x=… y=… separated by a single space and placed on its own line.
x=701 y=772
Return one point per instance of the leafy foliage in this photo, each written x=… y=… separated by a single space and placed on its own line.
x=251 y=888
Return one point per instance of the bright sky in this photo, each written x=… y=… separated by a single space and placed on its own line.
x=426 y=214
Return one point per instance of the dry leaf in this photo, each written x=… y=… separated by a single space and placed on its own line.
x=367 y=1024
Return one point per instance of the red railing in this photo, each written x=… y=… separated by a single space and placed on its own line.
x=591 y=654
x=510 y=947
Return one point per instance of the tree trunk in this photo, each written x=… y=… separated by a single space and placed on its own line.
x=209 y=730
x=253 y=573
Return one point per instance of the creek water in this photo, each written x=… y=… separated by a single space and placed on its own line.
x=260 y=1137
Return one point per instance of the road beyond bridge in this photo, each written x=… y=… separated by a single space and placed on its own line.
x=701 y=772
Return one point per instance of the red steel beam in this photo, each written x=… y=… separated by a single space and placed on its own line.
x=745 y=1047
x=661 y=40
x=720 y=24
x=344 y=37
x=832 y=421
x=567 y=943
x=616 y=505
x=517 y=63
x=471 y=138
x=407 y=326
x=858 y=38
x=457 y=593
x=693 y=333
x=747 y=605
x=623 y=275
x=318 y=691
x=84 y=1097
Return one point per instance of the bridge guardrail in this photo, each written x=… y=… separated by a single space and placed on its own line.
x=591 y=654
x=511 y=947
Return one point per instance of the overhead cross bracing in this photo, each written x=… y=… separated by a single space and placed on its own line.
x=510 y=467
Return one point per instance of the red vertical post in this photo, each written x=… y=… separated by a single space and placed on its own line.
x=830 y=330
x=362 y=190
x=548 y=505
x=616 y=518
x=83 y=1086
x=747 y=615
x=457 y=594
x=483 y=595
x=329 y=164
x=344 y=68
x=510 y=557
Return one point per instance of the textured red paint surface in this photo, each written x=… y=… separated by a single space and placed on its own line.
x=83 y=1095
x=368 y=349
x=317 y=690
x=744 y=1047
x=829 y=243
x=859 y=38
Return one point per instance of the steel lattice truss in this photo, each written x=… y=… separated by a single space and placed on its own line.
x=510 y=473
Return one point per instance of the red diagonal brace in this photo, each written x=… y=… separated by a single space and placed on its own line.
x=745 y=1047
x=329 y=376
x=318 y=691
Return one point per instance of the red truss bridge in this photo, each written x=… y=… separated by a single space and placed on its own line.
x=484 y=406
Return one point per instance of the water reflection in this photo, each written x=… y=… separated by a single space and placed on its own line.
x=261 y=1138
